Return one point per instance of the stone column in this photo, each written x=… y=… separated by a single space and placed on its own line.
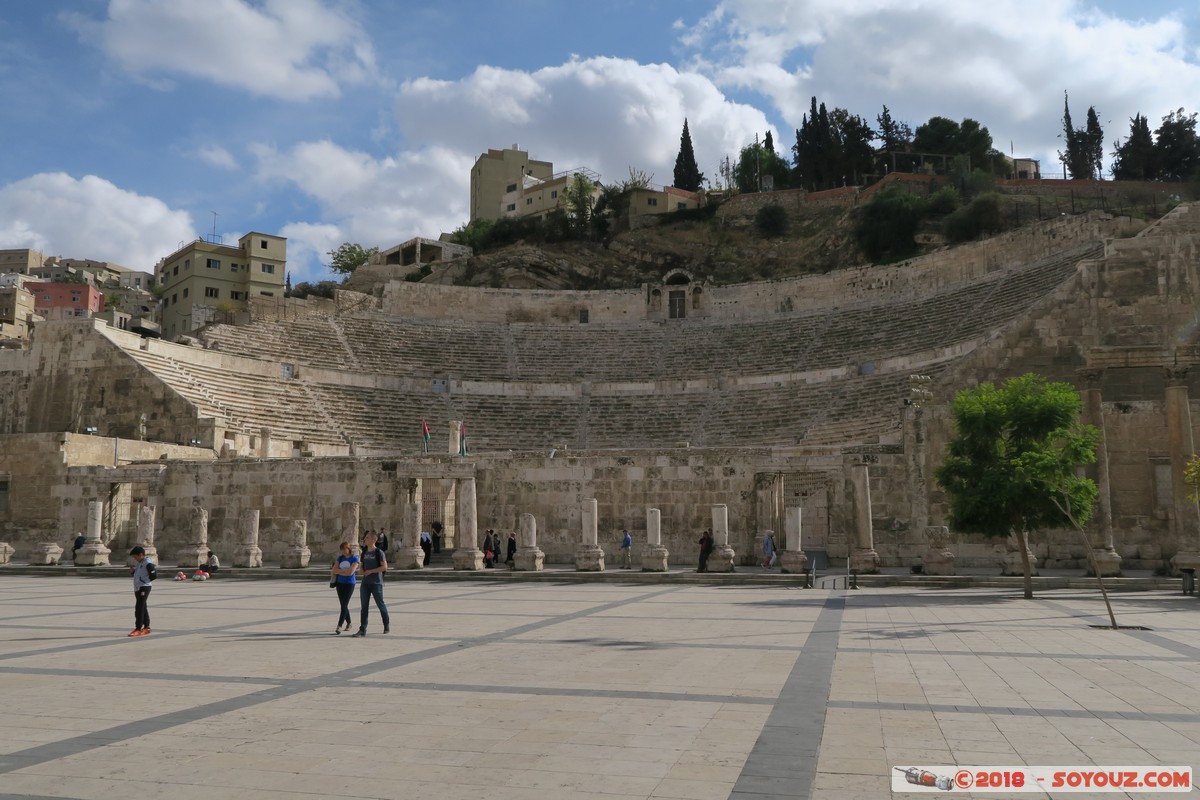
x=768 y=490
x=296 y=555
x=1104 y=552
x=863 y=557
x=467 y=554
x=248 y=554
x=145 y=526
x=349 y=528
x=195 y=552
x=938 y=558
x=409 y=555
x=93 y=553
x=654 y=555
x=528 y=558
x=589 y=556
x=45 y=554
x=264 y=443
x=723 y=556
x=1011 y=565
x=793 y=559
x=1185 y=520
x=6 y=552
x=455 y=436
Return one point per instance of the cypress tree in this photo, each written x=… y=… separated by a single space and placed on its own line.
x=687 y=174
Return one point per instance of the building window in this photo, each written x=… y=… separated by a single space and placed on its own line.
x=681 y=205
x=512 y=187
x=528 y=201
x=213 y=263
x=262 y=244
x=583 y=315
x=212 y=291
x=185 y=292
x=174 y=298
x=176 y=270
x=651 y=201
x=511 y=207
x=267 y=294
x=268 y=269
x=234 y=295
x=233 y=267
x=4 y=497
x=554 y=194
x=187 y=263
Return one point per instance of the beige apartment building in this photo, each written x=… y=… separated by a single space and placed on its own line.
x=499 y=172
x=20 y=260
x=202 y=279
x=16 y=310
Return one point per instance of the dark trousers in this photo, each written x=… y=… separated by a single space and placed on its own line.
x=344 y=591
x=703 y=561
x=141 y=614
x=368 y=591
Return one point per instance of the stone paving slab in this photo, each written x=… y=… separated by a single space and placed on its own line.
x=488 y=689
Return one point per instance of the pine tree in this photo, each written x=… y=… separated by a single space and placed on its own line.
x=769 y=143
x=687 y=174
x=1095 y=143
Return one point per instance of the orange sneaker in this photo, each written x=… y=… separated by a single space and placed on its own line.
x=135 y=633
x=145 y=631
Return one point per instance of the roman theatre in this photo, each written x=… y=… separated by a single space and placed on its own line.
x=817 y=405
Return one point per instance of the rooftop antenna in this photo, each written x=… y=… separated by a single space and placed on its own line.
x=214 y=233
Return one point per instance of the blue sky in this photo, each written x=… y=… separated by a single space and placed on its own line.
x=358 y=120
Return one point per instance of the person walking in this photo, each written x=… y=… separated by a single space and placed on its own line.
x=626 y=550
x=343 y=575
x=437 y=529
x=374 y=564
x=706 y=548
x=768 y=550
x=512 y=551
x=382 y=541
x=144 y=572
x=426 y=547
x=490 y=546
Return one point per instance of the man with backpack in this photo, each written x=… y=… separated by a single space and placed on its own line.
x=144 y=572
x=374 y=564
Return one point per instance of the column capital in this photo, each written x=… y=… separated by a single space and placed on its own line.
x=1090 y=377
x=1176 y=375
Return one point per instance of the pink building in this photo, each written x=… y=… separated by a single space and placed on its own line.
x=65 y=300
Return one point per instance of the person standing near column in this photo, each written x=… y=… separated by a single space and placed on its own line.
x=626 y=550
x=374 y=564
x=706 y=548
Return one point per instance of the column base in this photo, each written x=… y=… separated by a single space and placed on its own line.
x=864 y=560
x=247 y=556
x=654 y=559
x=469 y=560
x=1107 y=561
x=6 y=552
x=721 y=559
x=1188 y=559
x=45 y=554
x=92 y=554
x=408 y=558
x=793 y=562
x=938 y=562
x=529 y=559
x=589 y=558
x=191 y=557
x=294 y=558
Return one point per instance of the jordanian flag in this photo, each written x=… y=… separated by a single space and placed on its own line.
x=425 y=436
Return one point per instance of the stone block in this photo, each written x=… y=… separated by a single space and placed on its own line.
x=408 y=558
x=6 y=552
x=589 y=558
x=295 y=557
x=45 y=554
x=793 y=562
x=722 y=559
x=248 y=556
x=529 y=559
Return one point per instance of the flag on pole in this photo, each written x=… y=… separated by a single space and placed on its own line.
x=462 y=440
x=425 y=436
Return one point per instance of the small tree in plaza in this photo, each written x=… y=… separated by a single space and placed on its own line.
x=1012 y=466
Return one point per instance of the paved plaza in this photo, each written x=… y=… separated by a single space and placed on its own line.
x=565 y=690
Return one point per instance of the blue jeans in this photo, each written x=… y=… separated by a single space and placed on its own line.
x=366 y=592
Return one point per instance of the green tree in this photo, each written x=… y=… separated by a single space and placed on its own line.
x=1095 y=142
x=349 y=257
x=687 y=173
x=1011 y=468
x=1133 y=160
x=580 y=200
x=1084 y=152
x=755 y=161
x=771 y=220
x=769 y=142
x=1176 y=147
x=886 y=227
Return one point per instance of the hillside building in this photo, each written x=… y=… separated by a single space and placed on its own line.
x=16 y=312
x=20 y=260
x=499 y=172
x=202 y=279
x=66 y=300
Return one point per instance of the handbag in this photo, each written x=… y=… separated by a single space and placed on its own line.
x=333 y=583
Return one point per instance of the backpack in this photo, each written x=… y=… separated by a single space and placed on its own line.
x=151 y=571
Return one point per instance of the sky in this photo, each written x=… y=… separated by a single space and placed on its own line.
x=134 y=126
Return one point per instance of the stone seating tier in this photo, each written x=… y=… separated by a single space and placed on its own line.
x=683 y=349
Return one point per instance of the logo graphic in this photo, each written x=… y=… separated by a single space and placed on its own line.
x=923 y=777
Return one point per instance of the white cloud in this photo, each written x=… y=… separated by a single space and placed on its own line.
x=608 y=114
x=1005 y=63
x=217 y=156
x=90 y=218
x=290 y=49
